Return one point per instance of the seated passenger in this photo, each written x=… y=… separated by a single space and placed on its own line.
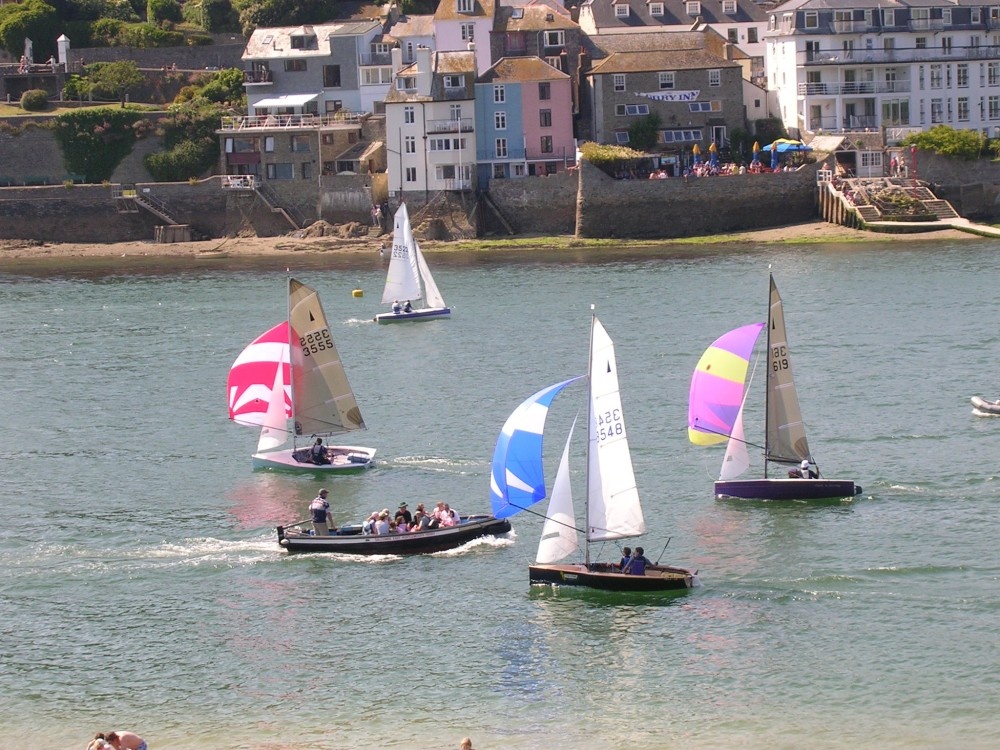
x=420 y=521
x=803 y=471
x=368 y=527
x=396 y=307
x=626 y=558
x=382 y=524
x=407 y=307
x=318 y=452
x=637 y=565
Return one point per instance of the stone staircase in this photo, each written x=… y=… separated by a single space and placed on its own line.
x=941 y=209
x=128 y=200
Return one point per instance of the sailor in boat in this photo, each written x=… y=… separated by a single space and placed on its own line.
x=322 y=519
x=803 y=471
x=396 y=307
x=637 y=565
x=626 y=557
x=407 y=307
x=318 y=452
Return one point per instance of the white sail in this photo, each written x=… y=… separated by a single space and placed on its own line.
x=737 y=458
x=274 y=428
x=432 y=296
x=559 y=537
x=786 y=433
x=613 y=509
x=322 y=400
x=402 y=281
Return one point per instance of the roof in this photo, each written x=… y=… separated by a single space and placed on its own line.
x=286 y=100
x=276 y=41
x=442 y=64
x=532 y=18
x=514 y=69
x=447 y=10
x=656 y=60
x=411 y=26
x=674 y=13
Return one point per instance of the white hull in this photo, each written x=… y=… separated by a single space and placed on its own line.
x=346 y=458
x=426 y=313
x=983 y=408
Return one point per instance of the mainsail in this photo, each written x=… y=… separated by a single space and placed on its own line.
x=402 y=281
x=613 y=509
x=786 y=434
x=717 y=385
x=517 y=480
x=322 y=399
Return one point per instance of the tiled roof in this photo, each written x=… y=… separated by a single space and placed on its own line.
x=521 y=69
x=653 y=60
x=532 y=18
x=447 y=10
x=411 y=26
x=276 y=41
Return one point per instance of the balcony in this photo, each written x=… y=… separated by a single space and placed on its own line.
x=375 y=58
x=852 y=27
x=259 y=77
x=853 y=88
x=896 y=56
x=462 y=125
x=284 y=122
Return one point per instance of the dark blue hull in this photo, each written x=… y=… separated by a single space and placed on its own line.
x=787 y=489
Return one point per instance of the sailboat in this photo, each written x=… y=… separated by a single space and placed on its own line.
x=613 y=510
x=293 y=372
x=715 y=414
x=408 y=272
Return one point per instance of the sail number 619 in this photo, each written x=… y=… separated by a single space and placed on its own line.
x=779 y=358
x=317 y=341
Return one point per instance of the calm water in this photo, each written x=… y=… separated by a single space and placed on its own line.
x=142 y=587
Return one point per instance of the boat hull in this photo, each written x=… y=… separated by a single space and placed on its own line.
x=602 y=576
x=983 y=408
x=416 y=316
x=344 y=459
x=787 y=489
x=352 y=542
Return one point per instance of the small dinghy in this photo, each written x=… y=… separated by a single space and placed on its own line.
x=983 y=408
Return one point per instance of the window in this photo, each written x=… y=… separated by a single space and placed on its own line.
x=280 y=172
x=692 y=8
x=666 y=80
x=555 y=38
x=618 y=79
x=300 y=143
x=306 y=170
x=545 y=91
x=621 y=10
x=499 y=171
x=455 y=112
x=406 y=83
x=499 y=94
x=376 y=76
x=546 y=144
x=993 y=73
x=500 y=120
x=630 y=110
x=331 y=76
x=269 y=143
x=889 y=17
x=963 y=109
x=729 y=7
x=555 y=61
x=656 y=9
x=468 y=32
x=519 y=170
x=411 y=174
x=680 y=136
x=410 y=144
x=501 y=148
x=454 y=82
x=295 y=66
x=715 y=77
x=937 y=111
x=466 y=6
x=409 y=115
x=302 y=42
x=752 y=35
x=962 y=75
x=811 y=20
x=621 y=136
x=733 y=35
x=545 y=118
x=935 y=76
x=946 y=16
x=712 y=106
x=993 y=103
x=976 y=16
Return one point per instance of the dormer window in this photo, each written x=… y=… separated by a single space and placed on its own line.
x=656 y=9
x=466 y=6
x=303 y=41
x=406 y=83
x=454 y=82
x=692 y=8
x=555 y=38
x=517 y=12
x=729 y=7
x=621 y=10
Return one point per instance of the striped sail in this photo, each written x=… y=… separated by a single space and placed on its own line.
x=716 y=394
x=253 y=375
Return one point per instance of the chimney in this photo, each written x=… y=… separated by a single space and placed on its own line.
x=396 y=55
x=424 y=72
x=471 y=46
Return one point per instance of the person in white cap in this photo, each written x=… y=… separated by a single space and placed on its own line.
x=804 y=471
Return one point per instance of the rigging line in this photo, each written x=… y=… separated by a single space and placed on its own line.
x=727 y=435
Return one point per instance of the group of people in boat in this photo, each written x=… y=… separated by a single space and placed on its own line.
x=633 y=564
x=398 y=308
x=403 y=522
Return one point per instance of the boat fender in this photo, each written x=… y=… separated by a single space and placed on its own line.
x=358 y=293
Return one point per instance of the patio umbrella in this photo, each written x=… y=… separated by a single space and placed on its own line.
x=756 y=152
x=713 y=155
x=697 y=154
x=774 y=158
x=784 y=145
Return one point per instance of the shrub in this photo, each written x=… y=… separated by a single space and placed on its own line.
x=34 y=100
x=946 y=141
x=94 y=141
x=610 y=159
x=158 y=11
x=185 y=161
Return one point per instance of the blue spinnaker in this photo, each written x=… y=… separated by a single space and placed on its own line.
x=517 y=480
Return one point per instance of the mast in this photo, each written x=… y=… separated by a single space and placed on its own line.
x=291 y=359
x=590 y=430
x=767 y=380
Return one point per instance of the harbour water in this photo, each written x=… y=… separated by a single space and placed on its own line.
x=142 y=587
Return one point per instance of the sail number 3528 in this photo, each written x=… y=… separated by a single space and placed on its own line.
x=779 y=358
x=610 y=424
x=317 y=341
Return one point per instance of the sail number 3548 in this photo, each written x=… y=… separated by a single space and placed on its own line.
x=779 y=358
x=317 y=341
x=610 y=424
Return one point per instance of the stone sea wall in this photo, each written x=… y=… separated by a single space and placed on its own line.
x=972 y=187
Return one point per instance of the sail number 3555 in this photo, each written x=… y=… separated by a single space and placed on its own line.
x=317 y=341
x=610 y=424
x=779 y=358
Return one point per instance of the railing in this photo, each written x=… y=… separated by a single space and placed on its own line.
x=240 y=182
x=910 y=54
x=852 y=27
x=375 y=58
x=293 y=121
x=926 y=24
x=853 y=88
x=463 y=125
x=251 y=77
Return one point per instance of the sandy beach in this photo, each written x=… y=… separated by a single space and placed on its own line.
x=271 y=246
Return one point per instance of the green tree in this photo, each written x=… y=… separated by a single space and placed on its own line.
x=257 y=13
x=94 y=141
x=643 y=134
x=225 y=86
x=114 y=78
x=32 y=19
x=158 y=11
x=946 y=141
